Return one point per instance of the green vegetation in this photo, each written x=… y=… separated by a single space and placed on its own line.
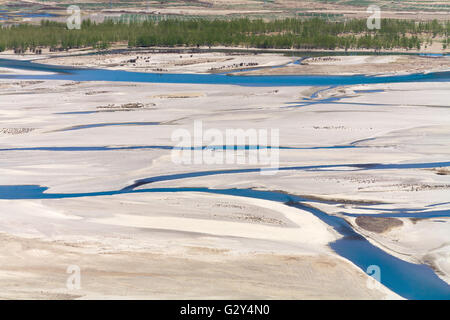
x=314 y=33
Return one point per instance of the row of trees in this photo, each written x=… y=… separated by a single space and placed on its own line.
x=313 y=33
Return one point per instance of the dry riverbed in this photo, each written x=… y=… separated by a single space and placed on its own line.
x=199 y=245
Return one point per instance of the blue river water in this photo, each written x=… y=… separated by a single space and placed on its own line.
x=77 y=74
x=100 y=125
x=209 y=147
x=412 y=281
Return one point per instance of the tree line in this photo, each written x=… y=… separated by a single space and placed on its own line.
x=315 y=33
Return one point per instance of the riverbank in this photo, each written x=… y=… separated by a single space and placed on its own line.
x=222 y=60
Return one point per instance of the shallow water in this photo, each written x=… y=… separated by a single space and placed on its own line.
x=224 y=147
x=100 y=125
x=403 y=213
x=74 y=74
x=328 y=167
